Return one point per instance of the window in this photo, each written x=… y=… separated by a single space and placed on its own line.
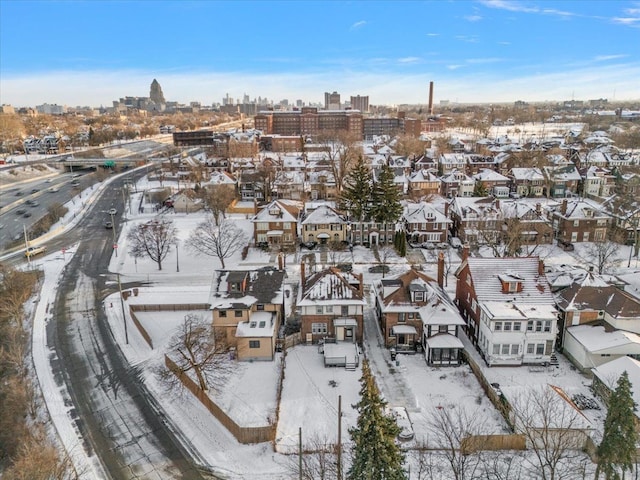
x=411 y=315
x=443 y=328
x=260 y=307
x=496 y=349
x=516 y=326
x=328 y=308
x=262 y=226
x=344 y=310
x=401 y=318
x=222 y=314
x=530 y=348
x=538 y=326
x=237 y=313
x=419 y=296
x=254 y=343
x=540 y=349
x=286 y=226
x=547 y=325
x=530 y=326
x=497 y=326
x=515 y=349
x=505 y=349
x=507 y=326
x=319 y=328
x=319 y=309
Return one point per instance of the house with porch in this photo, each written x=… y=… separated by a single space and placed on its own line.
x=324 y=225
x=416 y=315
x=494 y=183
x=276 y=224
x=527 y=182
x=247 y=310
x=509 y=309
x=423 y=183
x=331 y=304
x=580 y=220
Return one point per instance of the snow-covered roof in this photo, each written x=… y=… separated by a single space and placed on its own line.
x=323 y=215
x=260 y=324
x=331 y=287
x=506 y=310
x=609 y=373
x=424 y=212
x=279 y=211
x=596 y=339
x=488 y=288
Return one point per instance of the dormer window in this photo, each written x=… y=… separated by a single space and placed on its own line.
x=418 y=296
x=511 y=283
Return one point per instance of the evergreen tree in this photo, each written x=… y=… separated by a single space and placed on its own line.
x=375 y=454
x=479 y=189
x=402 y=248
x=386 y=206
x=617 y=450
x=356 y=193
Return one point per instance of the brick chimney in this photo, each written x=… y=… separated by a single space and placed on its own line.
x=441 y=269
x=497 y=204
x=465 y=251
x=446 y=209
x=563 y=208
x=361 y=286
x=540 y=267
x=303 y=278
x=538 y=208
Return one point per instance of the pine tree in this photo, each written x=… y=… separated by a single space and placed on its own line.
x=479 y=189
x=386 y=206
x=617 y=450
x=375 y=454
x=356 y=193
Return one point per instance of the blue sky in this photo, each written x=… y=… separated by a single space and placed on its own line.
x=92 y=52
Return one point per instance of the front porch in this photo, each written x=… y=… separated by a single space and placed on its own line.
x=443 y=349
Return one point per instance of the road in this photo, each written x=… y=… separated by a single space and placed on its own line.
x=117 y=417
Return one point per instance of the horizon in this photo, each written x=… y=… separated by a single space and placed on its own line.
x=475 y=52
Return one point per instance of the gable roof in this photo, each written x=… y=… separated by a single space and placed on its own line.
x=287 y=211
x=324 y=214
x=485 y=273
x=599 y=296
x=263 y=286
x=331 y=286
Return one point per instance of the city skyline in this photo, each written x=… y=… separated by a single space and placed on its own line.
x=91 y=53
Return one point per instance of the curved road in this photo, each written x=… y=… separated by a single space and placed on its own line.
x=116 y=415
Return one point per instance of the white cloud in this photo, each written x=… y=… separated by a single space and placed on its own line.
x=473 y=18
x=409 y=60
x=357 y=25
x=604 y=58
x=509 y=5
x=630 y=21
x=433 y=34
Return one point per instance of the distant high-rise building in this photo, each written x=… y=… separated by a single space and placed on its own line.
x=155 y=93
x=331 y=101
x=360 y=103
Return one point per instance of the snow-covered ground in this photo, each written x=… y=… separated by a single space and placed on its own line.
x=310 y=391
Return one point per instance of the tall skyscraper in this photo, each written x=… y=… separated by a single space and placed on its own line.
x=331 y=101
x=360 y=103
x=155 y=93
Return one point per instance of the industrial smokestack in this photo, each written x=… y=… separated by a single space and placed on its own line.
x=430 y=98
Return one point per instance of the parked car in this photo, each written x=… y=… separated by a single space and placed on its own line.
x=429 y=245
x=309 y=245
x=455 y=242
x=345 y=267
x=262 y=245
x=442 y=246
x=566 y=246
x=31 y=251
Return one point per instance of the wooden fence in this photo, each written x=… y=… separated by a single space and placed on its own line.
x=245 y=435
x=478 y=443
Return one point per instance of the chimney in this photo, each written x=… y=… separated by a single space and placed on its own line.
x=361 y=286
x=497 y=204
x=302 y=276
x=430 y=98
x=441 y=269
x=465 y=251
x=446 y=209
x=563 y=208
x=538 y=208
x=540 y=267
x=280 y=261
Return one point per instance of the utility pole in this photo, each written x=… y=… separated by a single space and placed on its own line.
x=339 y=437
x=113 y=229
x=300 y=451
x=26 y=244
x=124 y=318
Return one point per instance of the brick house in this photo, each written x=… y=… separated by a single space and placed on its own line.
x=456 y=184
x=247 y=310
x=494 y=183
x=562 y=180
x=422 y=183
x=580 y=220
x=416 y=315
x=508 y=308
x=527 y=182
x=332 y=305
x=424 y=223
x=277 y=223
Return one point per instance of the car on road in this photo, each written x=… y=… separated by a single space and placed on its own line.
x=112 y=211
x=20 y=211
x=31 y=251
x=19 y=193
x=34 y=203
x=35 y=190
x=75 y=183
x=26 y=214
x=54 y=189
x=108 y=225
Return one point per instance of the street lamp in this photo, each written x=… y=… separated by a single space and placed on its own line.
x=113 y=229
x=177 y=259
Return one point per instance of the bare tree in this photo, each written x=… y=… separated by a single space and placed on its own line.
x=450 y=429
x=196 y=349
x=15 y=288
x=553 y=430
x=317 y=462
x=604 y=254
x=216 y=241
x=343 y=149
x=218 y=199
x=512 y=237
x=153 y=239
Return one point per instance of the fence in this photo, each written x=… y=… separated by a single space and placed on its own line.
x=245 y=435
x=492 y=442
